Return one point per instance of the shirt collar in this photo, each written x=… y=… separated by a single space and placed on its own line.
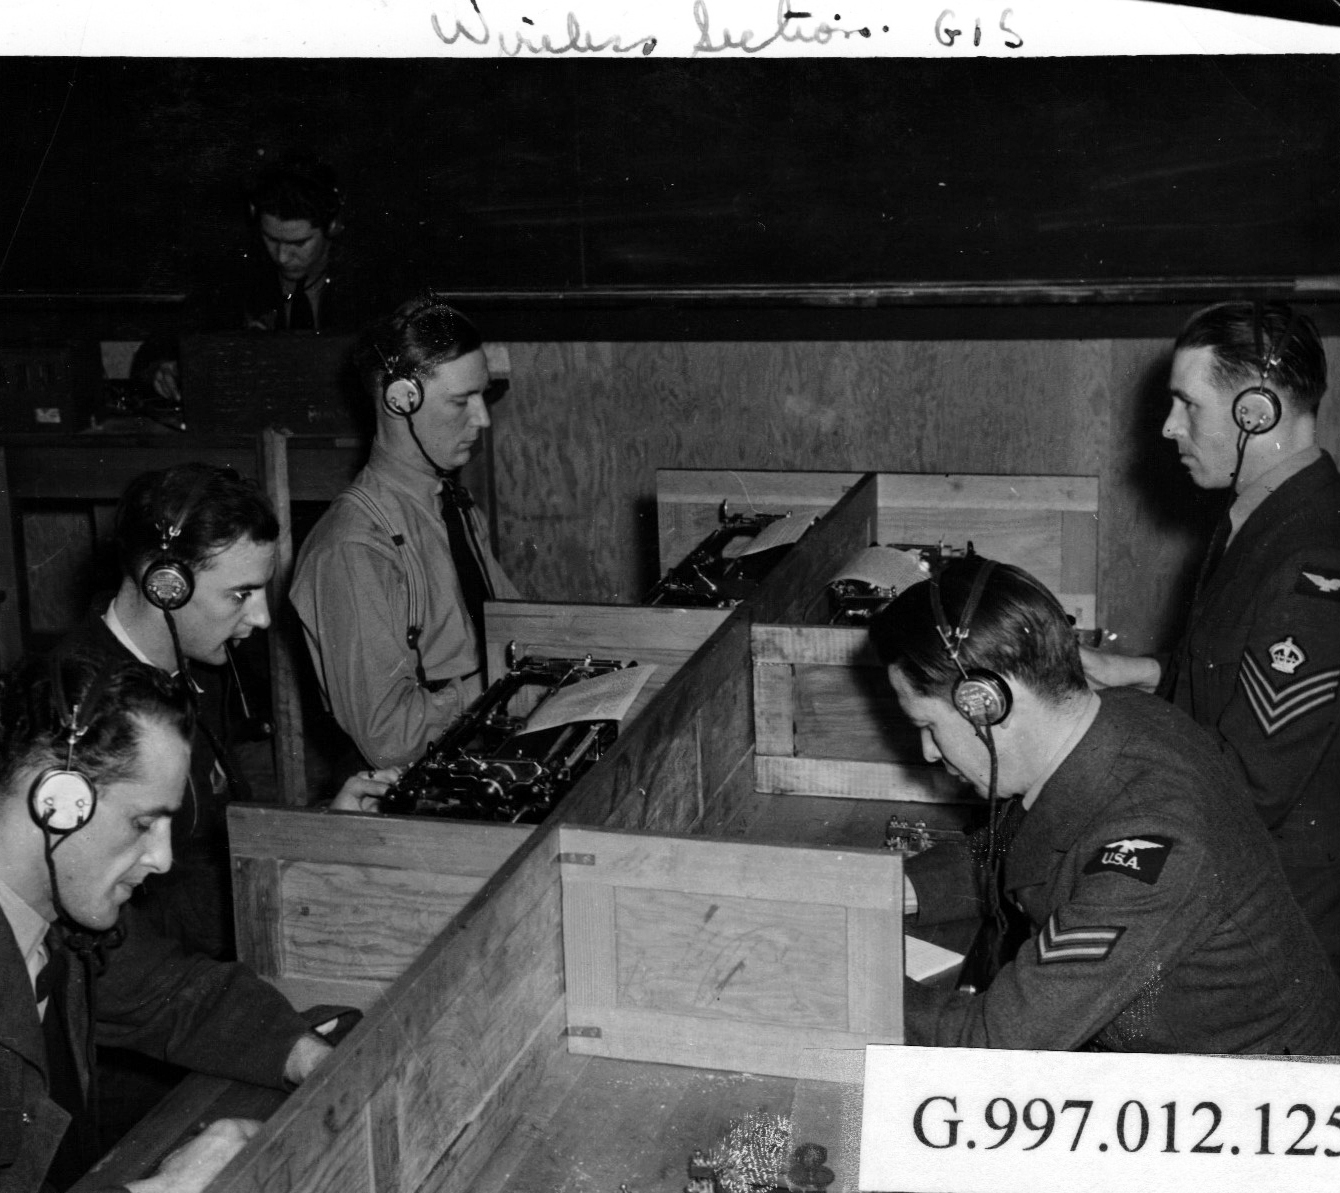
x=113 y=622
x=414 y=475
x=1062 y=752
x=1246 y=502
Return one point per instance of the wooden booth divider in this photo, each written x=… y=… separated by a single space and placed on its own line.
x=510 y=974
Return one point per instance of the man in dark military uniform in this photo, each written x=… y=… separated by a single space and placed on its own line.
x=1158 y=917
x=1259 y=663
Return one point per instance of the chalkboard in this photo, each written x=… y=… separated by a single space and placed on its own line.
x=128 y=175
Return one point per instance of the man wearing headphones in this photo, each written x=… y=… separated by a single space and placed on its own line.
x=94 y=756
x=196 y=548
x=1158 y=917
x=1259 y=661
x=295 y=210
x=390 y=584
x=288 y=281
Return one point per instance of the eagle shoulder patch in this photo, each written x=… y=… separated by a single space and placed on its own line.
x=1141 y=858
x=1091 y=942
x=1314 y=580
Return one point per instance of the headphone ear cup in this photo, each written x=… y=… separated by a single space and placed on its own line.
x=1256 y=410
x=982 y=698
x=62 y=801
x=403 y=397
x=168 y=583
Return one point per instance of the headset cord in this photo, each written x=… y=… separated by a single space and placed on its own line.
x=442 y=473
x=994 y=862
x=1243 y=436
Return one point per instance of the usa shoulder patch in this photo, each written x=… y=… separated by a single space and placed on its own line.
x=1314 y=580
x=1141 y=858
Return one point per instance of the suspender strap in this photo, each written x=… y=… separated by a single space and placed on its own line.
x=416 y=586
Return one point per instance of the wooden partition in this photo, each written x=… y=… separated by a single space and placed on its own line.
x=443 y=1084
x=689 y=501
x=663 y=636
x=332 y=907
x=1047 y=525
x=825 y=722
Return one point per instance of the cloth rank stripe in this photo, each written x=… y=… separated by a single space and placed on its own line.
x=1075 y=944
x=1276 y=709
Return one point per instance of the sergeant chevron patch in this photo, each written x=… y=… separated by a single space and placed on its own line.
x=1075 y=944
x=1274 y=708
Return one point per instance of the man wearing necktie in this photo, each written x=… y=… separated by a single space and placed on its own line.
x=295 y=209
x=391 y=583
x=1258 y=664
x=1157 y=914
x=289 y=276
x=92 y=769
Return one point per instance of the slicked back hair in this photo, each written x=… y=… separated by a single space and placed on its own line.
x=1018 y=630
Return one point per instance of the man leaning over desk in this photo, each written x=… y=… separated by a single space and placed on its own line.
x=94 y=757
x=1158 y=918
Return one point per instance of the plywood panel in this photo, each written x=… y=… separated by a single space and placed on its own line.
x=663 y=637
x=689 y=502
x=733 y=958
x=855 y=780
x=745 y=954
x=653 y=775
x=593 y=422
x=850 y=713
x=364 y=922
x=58 y=549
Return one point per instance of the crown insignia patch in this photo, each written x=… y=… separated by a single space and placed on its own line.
x=1275 y=708
x=1287 y=656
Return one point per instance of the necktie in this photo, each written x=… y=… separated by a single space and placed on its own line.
x=300 y=317
x=465 y=554
x=1215 y=552
x=78 y=1148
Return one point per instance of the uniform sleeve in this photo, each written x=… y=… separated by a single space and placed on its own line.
x=354 y=617
x=1281 y=719
x=1127 y=918
x=205 y=1015
x=948 y=880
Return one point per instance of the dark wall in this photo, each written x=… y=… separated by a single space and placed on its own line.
x=127 y=175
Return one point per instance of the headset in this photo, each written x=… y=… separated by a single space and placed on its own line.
x=405 y=400
x=1257 y=409
x=62 y=799
x=981 y=697
x=168 y=582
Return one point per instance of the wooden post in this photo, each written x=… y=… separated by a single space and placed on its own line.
x=290 y=760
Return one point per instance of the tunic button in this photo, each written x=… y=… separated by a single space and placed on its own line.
x=27 y=1119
